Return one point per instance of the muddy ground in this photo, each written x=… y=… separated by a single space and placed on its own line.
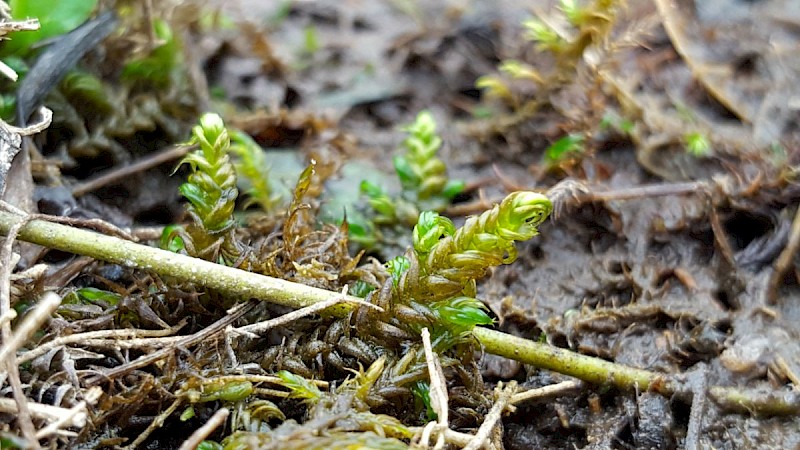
x=640 y=281
x=655 y=258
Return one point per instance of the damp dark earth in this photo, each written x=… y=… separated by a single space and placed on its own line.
x=399 y=224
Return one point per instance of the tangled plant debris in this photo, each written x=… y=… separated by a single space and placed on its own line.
x=670 y=300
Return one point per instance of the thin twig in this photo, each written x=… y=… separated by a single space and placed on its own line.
x=46 y=117
x=453 y=437
x=120 y=173
x=23 y=25
x=32 y=322
x=155 y=424
x=697 y=413
x=83 y=338
x=9 y=361
x=7 y=317
x=546 y=392
x=501 y=402
x=262 y=327
x=203 y=432
x=223 y=279
x=720 y=238
x=188 y=341
x=41 y=411
x=68 y=419
x=224 y=379
x=438 y=389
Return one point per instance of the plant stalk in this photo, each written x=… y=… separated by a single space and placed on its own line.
x=245 y=285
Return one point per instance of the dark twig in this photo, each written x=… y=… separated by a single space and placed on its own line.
x=119 y=173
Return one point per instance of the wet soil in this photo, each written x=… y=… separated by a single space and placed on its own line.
x=641 y=281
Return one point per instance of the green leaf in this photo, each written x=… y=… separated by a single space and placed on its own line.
x=405 y=172
x=209 y=445
x=8 y=106
x=462 y=313
x=568 y=146
x=8 y=441
x=170 y=240
x=422 y=392
x=93 y=295
x=453 y=188
x=187 y=414
x=55 y=18
x=361 y=289
x=299 y=387
x=84 y=87
x=430 y=228
x=397 y=267
x=310 y=40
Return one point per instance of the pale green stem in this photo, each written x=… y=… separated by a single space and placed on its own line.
x=246 y=285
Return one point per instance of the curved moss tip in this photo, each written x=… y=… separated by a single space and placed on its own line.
x=524 y=211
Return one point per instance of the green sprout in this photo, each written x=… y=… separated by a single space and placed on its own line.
x=434 y=284
x=211 y=191
x=92 y=295
x=546 y=38
x=424 y=185
x=519 y=70
x=423 y=178
x=251 y=164
x=420 y=171
x=397 y=267
x=451 y=264
x=310 y=40
x=697 y=145
x=299 y=387
x=569 y=146
x=361 y=289
x=220 y=390
x=209 y=445
x=494 y=87
x=613 y=121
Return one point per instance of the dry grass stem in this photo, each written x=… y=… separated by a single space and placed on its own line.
x=32 y=322
x=155 y=424
x=7 y=317
x=22 y=25
x=187 y=341
x=46 y=116
x=697 y=413
x=503 y=400
x=48 y=413
x=203 y=432
x=128 y=338
x=438 y=390
x=254 y=330
x=546 y=392
x=70 y=417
